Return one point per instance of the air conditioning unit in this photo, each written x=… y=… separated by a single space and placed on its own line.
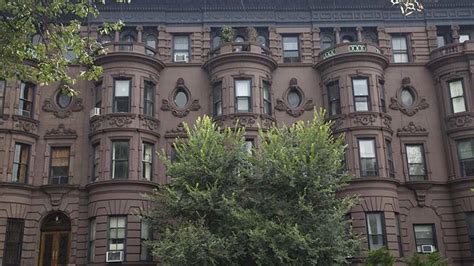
x=427 y=249
x=95 y=111
x=181 y=57
x=114 y=256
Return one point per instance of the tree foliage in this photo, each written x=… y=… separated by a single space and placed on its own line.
x=40 y=39
x=432 y=259
x=276 y=205
x=380 y=257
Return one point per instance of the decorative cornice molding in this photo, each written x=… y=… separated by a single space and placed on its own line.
x=412 y=130
x=61 y=132
x=150 y=122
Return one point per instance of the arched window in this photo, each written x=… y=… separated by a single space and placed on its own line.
x=151 y=41
x=216 y=41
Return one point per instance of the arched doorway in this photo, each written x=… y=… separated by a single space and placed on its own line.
x=55 y=240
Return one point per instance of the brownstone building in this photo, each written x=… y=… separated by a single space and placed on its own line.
x=72 y=169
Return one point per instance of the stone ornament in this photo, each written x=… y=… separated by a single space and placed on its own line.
x=243 y=120
x=60 y=132
x=25 y=124
x=283 y=105
x=170 y=105
x=50 y=105
x=179 y=131
x=117 y=120
x=364 y=119
x=417 y=105
x=412 y=129
x=150 y=122
x=460 y=121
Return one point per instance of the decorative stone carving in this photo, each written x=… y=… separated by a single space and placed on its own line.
x=421 y=189
x=117 y=120
x=50 y=105
x=25 y=124
x=96 y=123
x=412 y=129
x=267 y=121
x=460 y=121
x=60 y=132
x=283 y=105
x=387 y=120
x=179 y=131
x=418 y=103
x=120 y=120
x=169 y=105
x=150 y=122
x=243 y=120
x=364 y=119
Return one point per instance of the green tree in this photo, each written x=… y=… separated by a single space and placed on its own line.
x=380 y=257
x=274 y=206
x=432 y=259
x=40 y=39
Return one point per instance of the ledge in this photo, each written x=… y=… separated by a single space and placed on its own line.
x=445 y=54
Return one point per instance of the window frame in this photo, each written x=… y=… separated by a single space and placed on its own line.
x=149 y=103
x=390 y=161
x=143 y=250
x=334 y=100
x=175 y=51
x=8 y=243
x=217 y=107
x=398 y=233
x=98 y=95
x=248 y=98
x=114 y=97
x=95 y=162
x=117 y=228
x=59 y=178
x=367 y=97
x=113 y=160
x=460 y=160
x=383 y=103
x=27 y=164
x=433 y=230
x=423 y=151
x=149 y=163
x=374 y=141
x=267 y=103
x=91 y=239
x=286 y=59
x=452 y=98
x=31 y=86
x=407 y=51
x=384 y=230
x=470 y=230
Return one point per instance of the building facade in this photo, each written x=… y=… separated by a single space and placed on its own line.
x=401 y=89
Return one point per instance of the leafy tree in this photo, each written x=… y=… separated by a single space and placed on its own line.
x=381 y=256
x=274 y=206
x=40 y=39
x=432 y=259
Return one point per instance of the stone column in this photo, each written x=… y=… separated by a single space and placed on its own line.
x=140 y=34
x=455 y=33
x=337 y=32
x=359 y=34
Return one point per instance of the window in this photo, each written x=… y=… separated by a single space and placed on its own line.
x=368 y=158
x=267 y=100
x=243 y=95
x=147 y=161
x=407 y=97
x=294 y=98
x=63 y=100
x=400 y=49
x=151 y=41
x=120 y=159
x=424 y=235
x=470 y=229
x=180 y=48
x=249 y=145
x=25 y=107
x=173 y=156
x=361 y=94
x=20 y=163
x=291 y=51
x=326 y=42
x=149 y=99
x=441 y=40
x=217 y=99
x=3 y=88
x=122 y=95
x=466 y=157
x=334 y=98
x=383 y=105
x=181 y=98
x=347 y=39
x=456 y=94
x=464 y=37
x=91 y=244
x=95 y=162
x=145 y=234
x=391 y=166
x=117 y=228
x=98 y=95
x=59 y=169
x=375 y=230
x=13 y=242
x=416 y=162
x=399 y=234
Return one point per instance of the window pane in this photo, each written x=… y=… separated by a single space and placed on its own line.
x=456 y=88
x=151 y=41
x=458 y=105
x=466 y=149
x=463 y=38
x=400 y=58
x=181 y=43
x=407 y=97
x=361 y=104
x=288 y=54
x=290 y=43
x=266 y=92
x=416 y=170
x=423 y=231
x=294 y=98
x=145 y=231
x=181 y=98
x=414 y=154
x=120 y=150
x=368 y=167
x=122 y=88
x=147 y=152
x=366 y=148
x=243 y=104
x=360 y=87
x=120 y=170
x=441 y=41
x=399 y=43
x=242 y=88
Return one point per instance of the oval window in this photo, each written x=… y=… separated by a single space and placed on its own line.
x=407 y=97
x=294 y=98
x=181 y=98
x=262 y=40
x=63 y=100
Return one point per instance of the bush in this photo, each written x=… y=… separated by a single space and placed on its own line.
x=433 y=259
x=380 y=257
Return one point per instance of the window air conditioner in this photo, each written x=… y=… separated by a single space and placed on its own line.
x=181 y=57
x=114 y=256
x=95 y=111
x=427 y=249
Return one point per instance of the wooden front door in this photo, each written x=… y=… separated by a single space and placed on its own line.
x=54 y=250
